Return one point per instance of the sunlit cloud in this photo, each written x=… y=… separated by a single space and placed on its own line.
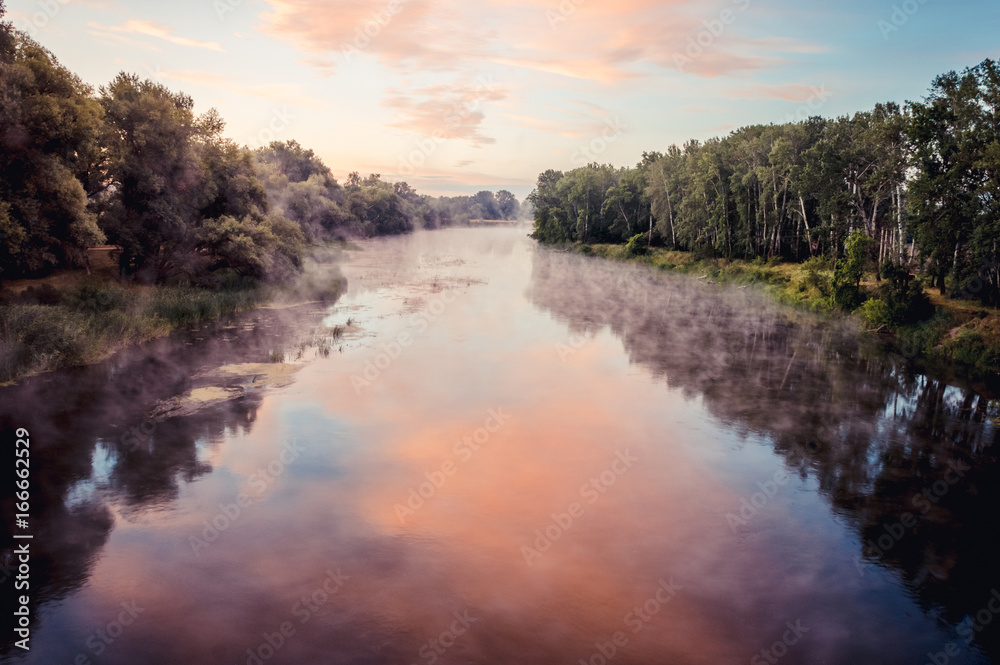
x=99 y=4
x=445 y=111
x=532 y=44
x=604 y=43
x=158 y=30
x=117 y=40
x=322 y=66
x=374 y=78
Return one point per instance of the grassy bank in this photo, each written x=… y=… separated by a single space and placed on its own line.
x=962 y=335
x=73 y=319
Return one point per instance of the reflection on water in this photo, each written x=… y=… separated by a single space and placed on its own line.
x=511 y=455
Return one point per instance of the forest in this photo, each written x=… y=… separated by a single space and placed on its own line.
x=131 y=165
x=893 y=191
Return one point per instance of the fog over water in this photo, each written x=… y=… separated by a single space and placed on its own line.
x=491 y=452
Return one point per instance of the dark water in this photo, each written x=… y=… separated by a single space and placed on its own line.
x=510 y=456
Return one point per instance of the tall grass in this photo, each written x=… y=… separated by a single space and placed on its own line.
x=96 y=320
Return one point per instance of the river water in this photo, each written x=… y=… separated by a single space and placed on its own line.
x=489 y=452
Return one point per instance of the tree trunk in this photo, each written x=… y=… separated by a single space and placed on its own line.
x=805 y=220
x=899 y=222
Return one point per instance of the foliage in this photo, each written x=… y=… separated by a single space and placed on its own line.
x=955 y=141
x=96 y=320
x=848 y=272
x=921 y=182
x=904 y=296
x=48 y=123
x=135 y=167
x=876 y=312
x=636 y=245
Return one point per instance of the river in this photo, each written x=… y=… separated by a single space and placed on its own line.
x=490 y=452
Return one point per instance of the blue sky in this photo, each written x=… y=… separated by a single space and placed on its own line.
x=454 y=97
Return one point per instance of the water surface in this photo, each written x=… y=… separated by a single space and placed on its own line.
x=510 y=455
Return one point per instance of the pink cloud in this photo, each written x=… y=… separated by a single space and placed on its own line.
x=604 y=42
x=445 y=111
x=158 y=30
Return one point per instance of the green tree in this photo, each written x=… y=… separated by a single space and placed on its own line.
x=849 y=271
x=155 y=173
x=949 y=137
x=665 y=190
x=627 y=205
x=551 y=222
x=378 y=206
x=47 y=120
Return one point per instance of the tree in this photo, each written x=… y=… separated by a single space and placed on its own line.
x=551 y=224
x=155 y=173
x=849 y=271
x=231 y=184
x=298 y=164
x=664 y=192
x=507 y=204
x=253 y=246
x=7 y=38
x=377 y=206
x=627 y=205
x=47 y=120
x=949 y=137
x=489 y=209
x=302 y=188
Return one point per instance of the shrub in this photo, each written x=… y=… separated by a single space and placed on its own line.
x=45 y=294
x=817 y=263
x=904 y=296
x=970 y=347
x=91 y=298
x=636 y=245
x=40 y=337
x=848 y=272
x=814 y=280
x=876 y=313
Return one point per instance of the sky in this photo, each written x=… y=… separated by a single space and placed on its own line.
x=455 y=97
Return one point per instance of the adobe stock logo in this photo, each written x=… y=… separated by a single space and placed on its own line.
x=704 y=39
x=597 y=146
x=900 y=16
x=370 y=29
x=464 y=449
x=562 y=522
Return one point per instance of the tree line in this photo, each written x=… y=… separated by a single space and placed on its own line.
x=917 y=186
x=132 y=165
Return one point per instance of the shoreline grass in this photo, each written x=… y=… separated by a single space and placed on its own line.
x=90 y=318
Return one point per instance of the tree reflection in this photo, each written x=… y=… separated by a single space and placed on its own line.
x=883 y=442
x=96 y=452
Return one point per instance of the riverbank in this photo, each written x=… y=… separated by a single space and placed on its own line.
x=71 y=318
x=962 y=337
